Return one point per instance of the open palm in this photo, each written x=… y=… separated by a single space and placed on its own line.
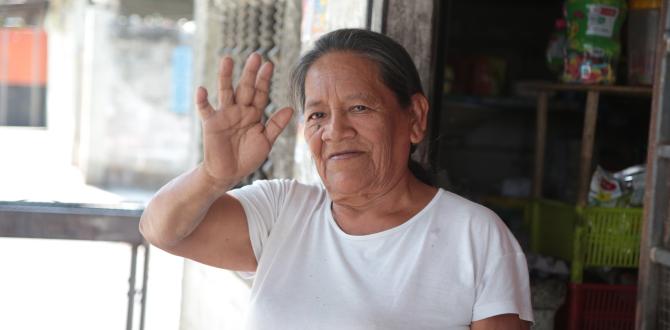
x=236 y=141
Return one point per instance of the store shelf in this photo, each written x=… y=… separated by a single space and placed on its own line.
x=588 y=133
x=502 y=103
x=605 y=89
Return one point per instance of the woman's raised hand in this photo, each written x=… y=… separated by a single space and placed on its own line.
x=236 y=141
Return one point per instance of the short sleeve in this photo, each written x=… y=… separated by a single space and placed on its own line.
x=504 y=289
x=262 y=202
x=502 y=284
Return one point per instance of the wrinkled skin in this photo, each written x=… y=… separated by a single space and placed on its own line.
x=358 y=133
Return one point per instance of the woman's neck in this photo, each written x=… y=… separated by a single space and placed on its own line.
x=375 y=212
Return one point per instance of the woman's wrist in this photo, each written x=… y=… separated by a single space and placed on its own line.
x=217 y=186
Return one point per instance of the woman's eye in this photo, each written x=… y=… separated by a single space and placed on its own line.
x=359 y=108
x=316 y=115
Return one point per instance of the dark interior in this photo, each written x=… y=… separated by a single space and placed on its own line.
x=483 y=136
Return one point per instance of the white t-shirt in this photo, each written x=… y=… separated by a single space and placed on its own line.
x=454 y=262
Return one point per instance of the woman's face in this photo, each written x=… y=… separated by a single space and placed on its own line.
x=357 y=132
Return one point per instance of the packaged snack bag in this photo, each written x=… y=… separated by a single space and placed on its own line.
x=605 y=189
x=593 y=46
x=621 y=189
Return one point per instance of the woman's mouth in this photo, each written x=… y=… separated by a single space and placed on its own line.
x=344 y=155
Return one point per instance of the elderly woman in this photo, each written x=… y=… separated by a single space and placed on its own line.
x=374 y=247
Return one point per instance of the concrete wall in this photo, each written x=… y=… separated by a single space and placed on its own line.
x=173 y=9
x=134 y=133
x=131 y=136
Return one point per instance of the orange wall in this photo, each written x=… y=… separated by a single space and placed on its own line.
x=25 y=51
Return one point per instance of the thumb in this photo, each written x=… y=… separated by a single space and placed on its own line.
x=205 y=109
x=276 y=124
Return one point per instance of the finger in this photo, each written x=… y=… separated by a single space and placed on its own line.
x=226 y=94
x=205 y=109
x=244 y=92
x=276 y=124
x=263 y=80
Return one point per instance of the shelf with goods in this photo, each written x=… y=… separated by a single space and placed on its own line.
x=584 y=235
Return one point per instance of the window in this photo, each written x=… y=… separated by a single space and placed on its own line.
x=23 y=65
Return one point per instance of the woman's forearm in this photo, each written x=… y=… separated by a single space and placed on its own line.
x=179 y=207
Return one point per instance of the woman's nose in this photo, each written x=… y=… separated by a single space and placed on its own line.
x=338 y=128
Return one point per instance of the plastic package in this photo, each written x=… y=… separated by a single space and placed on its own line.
x=593 y=40
x=605 y=189
x=621 y=189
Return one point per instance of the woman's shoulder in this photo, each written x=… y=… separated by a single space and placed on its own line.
x=459 y=206
x=284 y=190
x=284 y=185
x=292 y=185
x=478 y=222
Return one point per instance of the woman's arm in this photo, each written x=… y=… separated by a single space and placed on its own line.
x=501 y=322
x=192 y=216
x=189 y=218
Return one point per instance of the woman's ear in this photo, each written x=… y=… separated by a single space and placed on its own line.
x=418 y=117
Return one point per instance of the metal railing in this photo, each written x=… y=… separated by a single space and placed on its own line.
x=117 y=223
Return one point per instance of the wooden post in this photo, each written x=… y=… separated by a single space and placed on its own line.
x=588 y=136
x=540 y=141
x=412 y=24
x=652 y=285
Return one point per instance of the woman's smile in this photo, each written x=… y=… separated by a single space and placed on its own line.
x=344 y=155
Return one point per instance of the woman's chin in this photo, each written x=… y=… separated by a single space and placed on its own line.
x=342 y=185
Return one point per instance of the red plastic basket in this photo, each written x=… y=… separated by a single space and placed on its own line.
x=601 y=306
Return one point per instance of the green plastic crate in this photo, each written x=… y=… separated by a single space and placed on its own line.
x=590 y=236
x=552 y=228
